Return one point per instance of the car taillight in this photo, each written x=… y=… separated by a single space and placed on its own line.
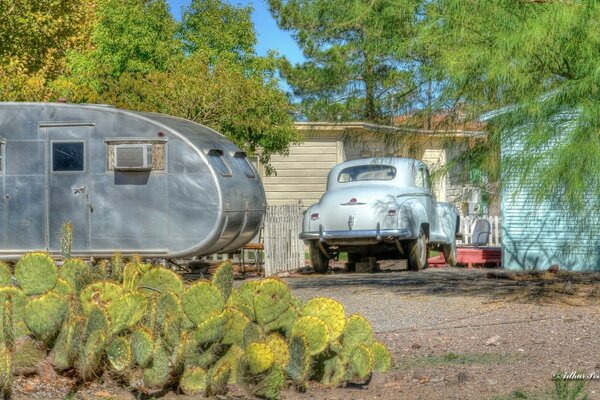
x=392 y=213
x=314 y=216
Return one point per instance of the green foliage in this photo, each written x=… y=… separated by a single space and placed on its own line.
x=44 y=315
x=76 y=272
x=314 y=331
x=160 y=280
x=119 y=353
x=36 y=273
x=201 y=301
x=223 y=279
x=5 y=275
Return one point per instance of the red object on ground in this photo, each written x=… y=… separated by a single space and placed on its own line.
x=469 y=256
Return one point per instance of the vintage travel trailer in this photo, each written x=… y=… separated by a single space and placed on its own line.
x=135 y=182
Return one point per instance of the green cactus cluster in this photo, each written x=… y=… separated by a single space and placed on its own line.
x=144 y=324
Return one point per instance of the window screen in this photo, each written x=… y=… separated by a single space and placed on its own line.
x=242 y=161
x=67 y=156
x=218 y=162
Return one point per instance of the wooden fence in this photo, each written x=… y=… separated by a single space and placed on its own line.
x=284 y=251
x=467 y=224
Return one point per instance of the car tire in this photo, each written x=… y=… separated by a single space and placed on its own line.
x=449 y=251
x=418 y=252
x=318 y=260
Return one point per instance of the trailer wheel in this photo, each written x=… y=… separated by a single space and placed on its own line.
x=449 y=251
x=318 y=260
x=418 y=252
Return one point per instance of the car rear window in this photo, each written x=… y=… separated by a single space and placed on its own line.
x=367 y=173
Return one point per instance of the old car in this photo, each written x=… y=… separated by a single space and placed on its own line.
x=379 y=208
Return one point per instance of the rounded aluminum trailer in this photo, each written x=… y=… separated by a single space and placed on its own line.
x=133 y=182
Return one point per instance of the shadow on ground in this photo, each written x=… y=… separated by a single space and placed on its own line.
x=496 y=284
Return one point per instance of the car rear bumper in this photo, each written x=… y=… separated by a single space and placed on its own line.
x=376 y=235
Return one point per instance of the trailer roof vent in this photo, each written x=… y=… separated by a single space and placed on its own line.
x=133 y=157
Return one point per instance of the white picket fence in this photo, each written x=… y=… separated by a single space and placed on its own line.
x=284 y=251
x=466 y=228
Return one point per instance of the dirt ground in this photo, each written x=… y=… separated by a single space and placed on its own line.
x=453 y=333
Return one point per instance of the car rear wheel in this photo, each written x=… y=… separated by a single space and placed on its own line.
x=449 y=251
x=318 y=260
x=418 y=252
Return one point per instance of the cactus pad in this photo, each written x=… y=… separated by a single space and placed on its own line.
x=159 y=373
x=44 y=315
x=243 y=299
x=381 y=357
x=219 y=376
x=142 y=347
x=223 y=279
x=116 y=267
x=119 y=353
x=298 y=367
x=63 y=288
x=160 y=280
x=357 y=331
x=211 y=330
x=329 y=311
x=167 y=304
x=252 y=333
x=334 y=372
x=97 y=321
x=281 y=351
x=131 y=276
x=271 y=300
x=36 y=273
x=5 y=275
x=126 y=311
x=361 y=361
x=171 y=330
x=259 y=357
x=76 y=272
x=202 y=300
x=99 y=293
x=314 y=331
x=5 y=371
x=90 y=357
x=66 y=346
x=234 y=329
x=270 y=386
x=194 y=381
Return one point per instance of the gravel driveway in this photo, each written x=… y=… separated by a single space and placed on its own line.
x=457 y=333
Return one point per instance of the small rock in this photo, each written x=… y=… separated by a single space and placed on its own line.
x=462 y=377
x=424 y=380
x=539 y=341
x=103 y=394
x=569 y=289
x=415 y=346
x=554 y=268
x=493 y=341
x=377 y=379
x=521 y=350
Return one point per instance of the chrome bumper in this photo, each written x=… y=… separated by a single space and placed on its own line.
x=377 y=234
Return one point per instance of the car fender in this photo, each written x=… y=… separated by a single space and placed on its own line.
x=308 y=224
x=448 y=221
x=413 y=215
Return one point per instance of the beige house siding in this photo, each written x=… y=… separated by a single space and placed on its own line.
x=302 y=175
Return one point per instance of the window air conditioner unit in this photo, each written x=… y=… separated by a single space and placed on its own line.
x=133 y=157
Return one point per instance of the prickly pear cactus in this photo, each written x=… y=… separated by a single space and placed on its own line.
x=314 y=331
x=211 y=330
x=100 y=293
x=334 y=372
x=142 y=346
x=280 y=349
x=243 y=299
x=357 y=331
x=119 y=353
x=91 y=355
x=201 y=301
x=67 y=344
x=270 y=386
x=194 y=381
x=125 y=312
x=63 y=288
x=160 y=280
x=329 y=311
x=168 y=304
x=235 y=326
x=272 y=299
x=116 y=267
x=223 y=279
x=382 y=360
x=36 y=273
x=44 y=315
x=5 y=275
x=76 y=272
x=5 y=371
x=219 y=376
x=259 y=357
x=361 y=361
x=159 y=372
x=131 y=276
x=298 y=367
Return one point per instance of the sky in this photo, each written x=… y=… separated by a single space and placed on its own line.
x=268 y=34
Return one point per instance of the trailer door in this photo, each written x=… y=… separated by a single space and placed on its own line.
x=68 y=196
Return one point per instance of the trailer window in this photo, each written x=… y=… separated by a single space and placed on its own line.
x=218 y=162
x=67 y=156
x=244 y=164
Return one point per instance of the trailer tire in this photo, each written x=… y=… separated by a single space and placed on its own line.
x=318 y=260
x=449 y=251
x=418 y=252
